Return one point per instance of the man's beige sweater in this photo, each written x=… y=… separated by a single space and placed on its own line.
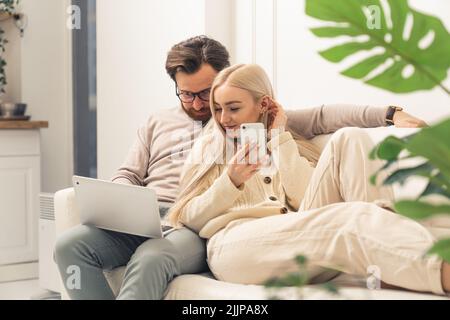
x=157 y=156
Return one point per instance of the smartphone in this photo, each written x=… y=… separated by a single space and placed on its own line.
x=254 y=133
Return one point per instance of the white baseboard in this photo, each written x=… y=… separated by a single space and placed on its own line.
x=20 y=271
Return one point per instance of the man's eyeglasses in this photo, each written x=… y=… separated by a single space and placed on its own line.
x=188 y=97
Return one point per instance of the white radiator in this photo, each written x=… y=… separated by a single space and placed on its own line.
x=48 y=272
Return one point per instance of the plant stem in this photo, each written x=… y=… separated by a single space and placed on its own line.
x=444 y=88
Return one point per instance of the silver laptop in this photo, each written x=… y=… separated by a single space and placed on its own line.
x=118 y=207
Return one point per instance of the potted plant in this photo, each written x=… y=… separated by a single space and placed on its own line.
x=7 y=10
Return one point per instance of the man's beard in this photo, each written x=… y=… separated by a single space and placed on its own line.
x=199 y=116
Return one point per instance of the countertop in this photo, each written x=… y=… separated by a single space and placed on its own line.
x=17 y=124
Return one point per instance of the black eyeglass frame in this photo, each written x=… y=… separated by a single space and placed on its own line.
x=193 y=94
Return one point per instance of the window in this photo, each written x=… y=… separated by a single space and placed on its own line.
x=85 y=90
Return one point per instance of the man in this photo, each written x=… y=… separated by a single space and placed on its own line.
x=155 y=161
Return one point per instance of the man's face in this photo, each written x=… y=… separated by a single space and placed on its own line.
x=197 y=82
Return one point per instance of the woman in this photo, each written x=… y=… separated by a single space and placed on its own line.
x=256 y=224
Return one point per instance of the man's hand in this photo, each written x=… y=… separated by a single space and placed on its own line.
x=404 y=120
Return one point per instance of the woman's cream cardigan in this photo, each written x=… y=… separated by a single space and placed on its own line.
x=260 y=196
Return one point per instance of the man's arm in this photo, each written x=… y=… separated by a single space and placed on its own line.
x=329 y=118
x=134 y=168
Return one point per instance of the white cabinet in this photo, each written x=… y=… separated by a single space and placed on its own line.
x=20 y=184
x=19 y=192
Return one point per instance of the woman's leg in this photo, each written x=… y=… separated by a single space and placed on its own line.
x=343 y=172
x=157 y=261
x=83 y=252
x=348 y=236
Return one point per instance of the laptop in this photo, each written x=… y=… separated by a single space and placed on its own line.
x=118 y=207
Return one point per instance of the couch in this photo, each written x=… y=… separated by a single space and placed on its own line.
x=204 y=286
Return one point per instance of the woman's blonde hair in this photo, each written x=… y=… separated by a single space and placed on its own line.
x=199 y=175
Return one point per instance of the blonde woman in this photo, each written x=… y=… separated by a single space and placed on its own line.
x=256 y=224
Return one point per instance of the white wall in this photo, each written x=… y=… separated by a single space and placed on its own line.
x=39 y=74
x=275 y=34
x=131 y=52
x=46 y=86
x=132 y=82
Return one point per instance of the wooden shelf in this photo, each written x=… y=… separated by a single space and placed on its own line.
x=9 y=124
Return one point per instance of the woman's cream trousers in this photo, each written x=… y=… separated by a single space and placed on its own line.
x=338 y=226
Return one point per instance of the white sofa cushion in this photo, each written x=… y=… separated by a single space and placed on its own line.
x=205 y=287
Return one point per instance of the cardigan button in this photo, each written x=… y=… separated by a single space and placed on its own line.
x=272 y=198
x=283 y=210
x=267 y=180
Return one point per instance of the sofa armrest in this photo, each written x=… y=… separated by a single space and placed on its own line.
x=66 y=212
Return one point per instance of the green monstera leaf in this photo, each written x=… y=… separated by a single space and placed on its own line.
x=431 y=146
x=415 y=60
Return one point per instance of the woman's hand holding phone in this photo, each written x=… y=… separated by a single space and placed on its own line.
x=240 y=169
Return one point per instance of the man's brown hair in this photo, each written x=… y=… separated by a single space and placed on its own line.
x=188 y=55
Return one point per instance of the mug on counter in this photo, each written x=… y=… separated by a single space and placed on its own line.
x=10 y=109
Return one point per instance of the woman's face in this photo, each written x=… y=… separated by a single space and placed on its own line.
x=234 y=106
